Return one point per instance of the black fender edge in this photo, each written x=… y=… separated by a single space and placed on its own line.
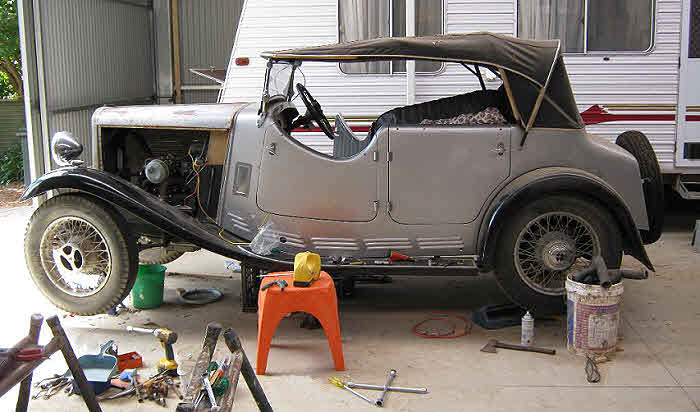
x=583 y=184
x=124 y=194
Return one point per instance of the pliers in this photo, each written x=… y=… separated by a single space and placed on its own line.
x=281 y=283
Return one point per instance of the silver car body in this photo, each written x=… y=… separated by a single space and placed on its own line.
x=419 y=190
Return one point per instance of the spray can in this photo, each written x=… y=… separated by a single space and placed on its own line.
x=527 y=334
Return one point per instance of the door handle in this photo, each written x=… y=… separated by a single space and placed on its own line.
x=272 y=149
x=500 y=149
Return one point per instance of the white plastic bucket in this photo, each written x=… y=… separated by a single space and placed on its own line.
x=593 y=317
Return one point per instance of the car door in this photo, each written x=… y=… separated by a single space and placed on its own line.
x=443 y=174
x=300 y=182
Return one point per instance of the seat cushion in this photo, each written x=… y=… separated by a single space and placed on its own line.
x=446 y=108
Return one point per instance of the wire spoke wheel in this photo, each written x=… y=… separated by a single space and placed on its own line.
x=75 y=256
x=552 y=246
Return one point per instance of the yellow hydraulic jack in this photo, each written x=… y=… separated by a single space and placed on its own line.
x=166 y=337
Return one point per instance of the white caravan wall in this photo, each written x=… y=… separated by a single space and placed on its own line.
x=627 y=84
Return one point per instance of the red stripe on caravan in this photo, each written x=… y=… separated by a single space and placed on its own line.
x=596 y=114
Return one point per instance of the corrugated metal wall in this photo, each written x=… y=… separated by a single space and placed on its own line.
x=207 y=29
x=11 y=120
x=94 y=53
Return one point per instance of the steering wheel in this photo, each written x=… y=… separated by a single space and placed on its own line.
x=313 y=109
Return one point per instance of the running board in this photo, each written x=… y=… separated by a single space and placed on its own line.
x=424 y=266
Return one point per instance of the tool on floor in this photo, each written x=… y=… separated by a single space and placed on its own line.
x=174 y=385
x=337 y=382
x=98 y=369
x=192 y=392
x=234 y=345
x=390 y=388
x=233 y=372
x=307 y=268
x=492 y=344
x=527 y=329
x=210 y=393
x=390 y=378
x=167 y=338
x=135 y=381
x=281 y=283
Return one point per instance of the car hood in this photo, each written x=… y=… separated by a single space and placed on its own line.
x=172 y=116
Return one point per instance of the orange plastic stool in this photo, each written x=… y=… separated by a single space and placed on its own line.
x=319 y=300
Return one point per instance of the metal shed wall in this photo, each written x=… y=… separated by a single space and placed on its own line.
x=90 y=54
x=207 y=30
x=11 y=120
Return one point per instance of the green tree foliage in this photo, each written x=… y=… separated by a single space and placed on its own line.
x=11 y=165
x=10 y=58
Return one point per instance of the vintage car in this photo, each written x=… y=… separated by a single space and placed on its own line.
x=503 y=181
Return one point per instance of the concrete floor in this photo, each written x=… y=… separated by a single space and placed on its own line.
x=658 y=369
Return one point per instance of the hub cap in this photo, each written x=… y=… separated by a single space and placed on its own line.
x=551 y=247
x=75 y=256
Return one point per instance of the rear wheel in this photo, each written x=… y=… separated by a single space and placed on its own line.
x=79 y=254
x=653 y=184
x=548 y=240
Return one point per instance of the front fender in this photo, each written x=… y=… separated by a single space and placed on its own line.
x=549 y=181
x=128 y=196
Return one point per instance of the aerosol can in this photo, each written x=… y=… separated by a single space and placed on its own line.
x=527 y=335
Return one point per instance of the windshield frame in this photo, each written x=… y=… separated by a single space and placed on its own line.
x=288 y=89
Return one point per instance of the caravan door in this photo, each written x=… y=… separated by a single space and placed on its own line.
x=688 y=134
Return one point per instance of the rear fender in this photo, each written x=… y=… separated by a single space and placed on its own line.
x=551 y=181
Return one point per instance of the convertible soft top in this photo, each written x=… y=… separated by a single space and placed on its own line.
x=532 y=70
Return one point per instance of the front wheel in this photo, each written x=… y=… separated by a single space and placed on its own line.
x=548 y=240
x=79 y=254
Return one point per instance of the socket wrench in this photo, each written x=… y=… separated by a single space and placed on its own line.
x=210 y=393
x=389 y=379
x=390 y=388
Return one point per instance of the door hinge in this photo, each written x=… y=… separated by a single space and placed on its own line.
x=375 y=156
x=388 y=206
x=389 y=156
x=375 y=206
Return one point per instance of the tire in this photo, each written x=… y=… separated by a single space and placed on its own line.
x=544 y=241
x=54 y=252
x=637 y=144
x=158 y=256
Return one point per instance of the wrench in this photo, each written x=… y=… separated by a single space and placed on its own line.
x=390 y=388
x=389 y=379
x=210 y=393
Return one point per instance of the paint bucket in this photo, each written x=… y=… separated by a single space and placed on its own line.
x=147 y=292
x=593 y=317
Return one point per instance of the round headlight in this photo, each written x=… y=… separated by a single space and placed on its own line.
x=65 y=149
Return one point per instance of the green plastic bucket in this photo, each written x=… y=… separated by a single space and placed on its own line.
x=147 y=292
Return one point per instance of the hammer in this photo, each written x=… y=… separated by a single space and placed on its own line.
x=492 y=344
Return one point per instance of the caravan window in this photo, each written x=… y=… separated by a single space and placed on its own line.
x=371 y=19
x=621 y=25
